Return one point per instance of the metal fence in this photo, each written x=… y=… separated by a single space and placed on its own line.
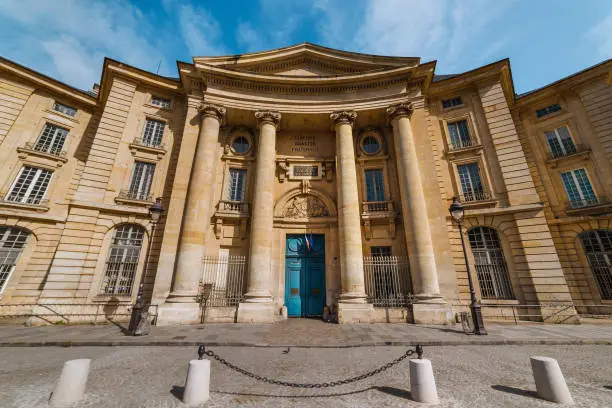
x=387 y=280
x=223 y=280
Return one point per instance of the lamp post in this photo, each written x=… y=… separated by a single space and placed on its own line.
x=457 y=213
x=140 y=308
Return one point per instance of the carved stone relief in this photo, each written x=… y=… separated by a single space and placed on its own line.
x=305 y=206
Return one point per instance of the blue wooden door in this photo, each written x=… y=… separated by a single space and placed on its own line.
x=305 y=275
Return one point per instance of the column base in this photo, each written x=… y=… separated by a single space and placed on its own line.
x=257 y=312
x=432 y=311
x=172 y=314
x=355 y=313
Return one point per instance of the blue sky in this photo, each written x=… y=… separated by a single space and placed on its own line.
x=545 y=39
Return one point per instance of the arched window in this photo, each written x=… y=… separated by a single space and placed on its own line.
x=12 y=242
x=122 y=262
x=597 y=246
x=490 y=264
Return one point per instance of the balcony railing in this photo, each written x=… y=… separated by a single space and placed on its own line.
x=134 y=196
x=569 y=151
x=237 y=207
x=461 y=144
x=474 y=196
x=45 y=149
x=148 y=143
x=377 y=207
x=583 y=203
x=30 y=202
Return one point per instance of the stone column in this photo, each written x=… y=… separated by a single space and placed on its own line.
x=196 y=218
x=416 y=222
x=258 y=306
x=352 y=306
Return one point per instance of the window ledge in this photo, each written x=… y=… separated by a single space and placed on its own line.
x=43 y=206
x=137 y=146
x=149 y=105
x=28 y=150
x=579 y=155
x=452 y=154
x=232 y=209
x=601 y=207
x=63 y=115
x=500 y=302
x=124 y=198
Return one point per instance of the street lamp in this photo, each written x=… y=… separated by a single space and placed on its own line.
x=457 y=212
x=140 y=308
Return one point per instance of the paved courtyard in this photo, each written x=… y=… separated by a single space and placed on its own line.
x=306 y=333
x=152 y=377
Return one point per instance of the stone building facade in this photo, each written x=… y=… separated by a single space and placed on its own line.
x=304 y=181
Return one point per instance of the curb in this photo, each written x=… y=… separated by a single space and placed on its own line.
x=153 y=343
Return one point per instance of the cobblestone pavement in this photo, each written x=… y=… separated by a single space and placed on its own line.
x=306 y=332
x=152 y=377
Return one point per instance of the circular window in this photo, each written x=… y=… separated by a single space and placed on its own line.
x=371 y=145
x=240 y=145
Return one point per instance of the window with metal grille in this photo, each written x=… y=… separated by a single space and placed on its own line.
x=459 y=134
x=12 y=242
x=163 y=103
x=122 y=262
x=578 y=188
x=65 y=109
x=142 y=177
x=375 y=185
x=471 y=183
x=540 y=113
x=153 y=132
x=384 y=279
x=380 y=251
x=597 y=246
x=236 y=185
x=450 y=103
x=30 y=186
x=560 y=142
x=490 y=264
x=51 y=139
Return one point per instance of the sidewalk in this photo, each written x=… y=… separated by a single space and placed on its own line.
x=304 y=333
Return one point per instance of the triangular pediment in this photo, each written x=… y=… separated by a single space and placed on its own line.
x=306 y=60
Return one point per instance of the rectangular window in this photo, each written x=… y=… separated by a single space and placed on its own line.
x=30 y=186
x=459 y=134
x=163 y=103
x=375 y=186
x=560 y=142
x=578 y=188
x=236 y=185
x=141 y=181
x=450 y=103
x=380 y=250
x=51 y=139
x=65 y=109
x=153 y=132
x=540 y=113
x=471 y=183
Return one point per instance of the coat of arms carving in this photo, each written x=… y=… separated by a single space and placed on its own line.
x=305 y=206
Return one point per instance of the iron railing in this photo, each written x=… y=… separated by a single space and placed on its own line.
x=377 y=206
x=583 y=203
x=223 y=280
x=387 y=280
x=134 y=196
x=148 y=143
x=461 y=144
x=570 y=150
x=238 y=207
x=45 y=149
x=476 y=195
x=30 y=202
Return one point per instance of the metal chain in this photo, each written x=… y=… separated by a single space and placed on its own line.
x=408 y=353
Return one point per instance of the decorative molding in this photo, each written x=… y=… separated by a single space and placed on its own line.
x=403 y=109
x=268 y=116
x=286 y=203
x=212 y=110
x=331 y=68
x=305 y=206
x=343 y=117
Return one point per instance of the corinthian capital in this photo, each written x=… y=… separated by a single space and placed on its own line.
x=212 y=110
x=343 y=117
x=400 y=110
x=268 y=116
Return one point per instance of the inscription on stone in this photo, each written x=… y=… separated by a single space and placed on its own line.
x=310 y=171
x=304 y=144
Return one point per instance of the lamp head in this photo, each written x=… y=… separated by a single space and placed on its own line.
x=456 y=210
x=156 y=210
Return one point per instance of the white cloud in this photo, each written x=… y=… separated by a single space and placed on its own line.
x=73 y=62
x=601 y=34
x=247 y=37
x=200 y=31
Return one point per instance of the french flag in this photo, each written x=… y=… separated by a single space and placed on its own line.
x=307 y=242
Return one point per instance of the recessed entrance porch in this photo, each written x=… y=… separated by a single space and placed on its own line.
x=305 y=275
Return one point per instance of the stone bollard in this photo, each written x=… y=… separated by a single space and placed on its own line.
x=422 y=382
x=71 y=385
x=197 y=384
x=549 y=380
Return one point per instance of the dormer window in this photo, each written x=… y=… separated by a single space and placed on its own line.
x=451 y=103
x=65 y=109
x=161 y=102
x=540 y=113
